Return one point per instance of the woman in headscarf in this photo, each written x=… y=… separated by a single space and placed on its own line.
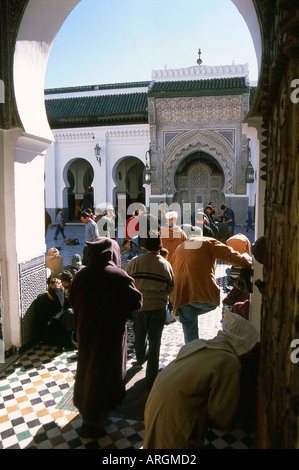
x=103 y=297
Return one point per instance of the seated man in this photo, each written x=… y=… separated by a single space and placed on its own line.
x=75 y=265
x=199 y=389
x=131 y=248
x=66 y=278
x=53 y=319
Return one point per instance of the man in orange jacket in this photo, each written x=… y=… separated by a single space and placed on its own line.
x=196 y=290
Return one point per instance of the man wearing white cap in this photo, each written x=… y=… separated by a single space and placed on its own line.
x=199 y=389
x=172 y=235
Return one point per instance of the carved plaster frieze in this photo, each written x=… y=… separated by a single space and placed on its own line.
x=127 y=134
x=227 y=134
x=202 y=72
x=199 y=109
x=190 y=141
x=74 y=136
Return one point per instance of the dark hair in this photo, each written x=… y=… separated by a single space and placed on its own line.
x=153 y=241
x=164 y=251
x=65 y=276
x=223 y=207
x=259 y=249
x=88 y=211
x=84 y=214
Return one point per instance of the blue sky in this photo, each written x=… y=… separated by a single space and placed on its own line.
x=114 y=41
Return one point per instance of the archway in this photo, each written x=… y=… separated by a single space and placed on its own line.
x=203 y=141
x=33 y=136
x=128 y=177
x=199 y=179
x=80 y=176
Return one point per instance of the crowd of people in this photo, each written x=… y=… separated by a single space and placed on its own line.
x=169 y=275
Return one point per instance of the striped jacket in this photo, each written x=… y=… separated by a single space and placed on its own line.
x=153 y=278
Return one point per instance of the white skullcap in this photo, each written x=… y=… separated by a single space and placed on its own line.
x=171 y=215
x=240 y=332
x=53 y=252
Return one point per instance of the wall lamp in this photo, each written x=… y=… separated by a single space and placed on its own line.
x=97 y=152
x=147 y=174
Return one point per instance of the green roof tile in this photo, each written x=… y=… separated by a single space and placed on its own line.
x=111 y=86
x=213 y=86
x=97 y=108
x=128 y=107
x=193 y=85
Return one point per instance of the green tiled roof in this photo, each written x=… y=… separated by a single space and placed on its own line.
x=131 y=107
x=214 y=86
x=111 y=86
x=97 y=109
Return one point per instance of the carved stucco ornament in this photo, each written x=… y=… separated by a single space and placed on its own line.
x=194 y=141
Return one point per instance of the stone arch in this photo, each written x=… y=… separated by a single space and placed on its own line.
x=32 y=48
x=132 y=159
x=207 y=141
x=69 y=163
x=122 y=178
x=85 y=174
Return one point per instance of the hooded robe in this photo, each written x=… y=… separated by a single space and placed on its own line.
x=103 y=297
x=200 y=387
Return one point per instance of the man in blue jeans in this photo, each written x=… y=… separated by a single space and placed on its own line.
x=153 y=277
x=188 y=315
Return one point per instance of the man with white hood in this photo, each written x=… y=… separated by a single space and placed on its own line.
x=199 y=389
x=171 y=234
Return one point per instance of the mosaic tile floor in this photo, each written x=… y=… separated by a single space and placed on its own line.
x=32 y=388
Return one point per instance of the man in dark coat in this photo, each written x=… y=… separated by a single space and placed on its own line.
x=103 y=297
x=53 y=320
x=146 y=222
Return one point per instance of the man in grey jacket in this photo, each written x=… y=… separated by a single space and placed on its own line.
x=91 y=233
x=91 y=229
x=153 y=277
x=59 y=225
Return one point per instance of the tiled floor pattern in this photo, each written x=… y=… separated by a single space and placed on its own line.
x=33 y=386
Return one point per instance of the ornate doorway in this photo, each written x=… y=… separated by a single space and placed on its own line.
x=199 y=179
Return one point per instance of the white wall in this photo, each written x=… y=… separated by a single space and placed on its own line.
x=116 y=142
x=254 y=144
x=247 y=10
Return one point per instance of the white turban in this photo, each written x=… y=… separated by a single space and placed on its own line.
x=240 y=332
